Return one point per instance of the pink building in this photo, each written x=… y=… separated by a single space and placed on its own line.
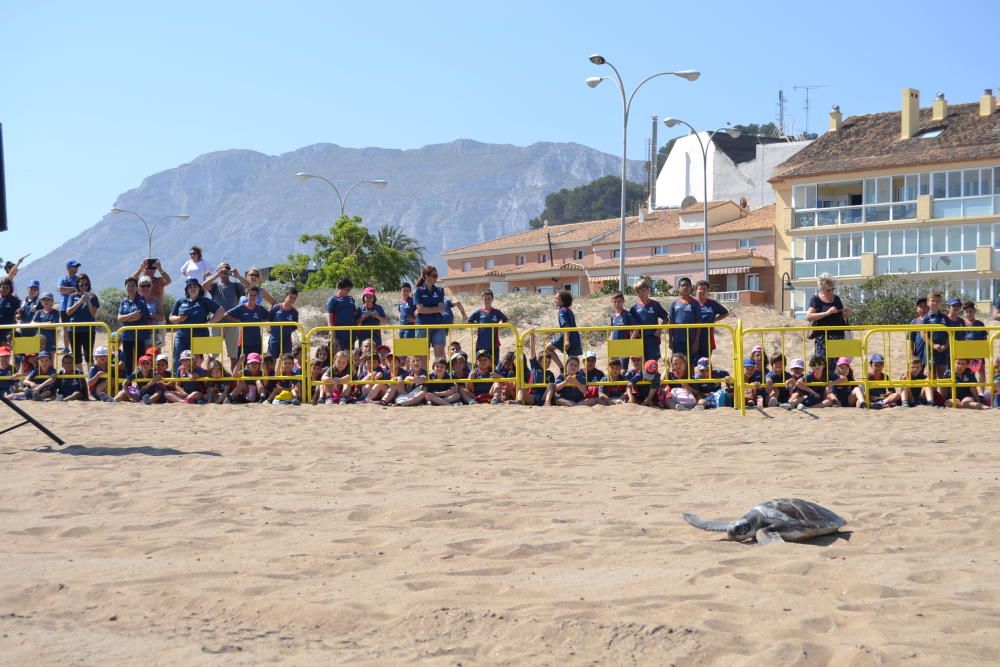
x=665 y=244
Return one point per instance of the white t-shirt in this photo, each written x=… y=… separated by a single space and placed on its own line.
x=199 y=269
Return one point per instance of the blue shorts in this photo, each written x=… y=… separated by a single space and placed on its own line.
x=436 y=336
x=572 y=348
x=407 y=333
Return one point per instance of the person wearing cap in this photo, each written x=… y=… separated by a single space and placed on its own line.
x=753 y=378
x=27 y=310
x=40 y=383
x=647 y=311
x=593 y=375
x=370 y=314
x=133 y=311
x=69 y=385
x=488 y=338
x=642 y=372
x=190 y=387
x=194 y=308
x=459 y=365
x=6 y=371
x=714 y=384
x=47 y=314
x=808 y=390
x=97 y=375
x=9 y=305
x=196 y=267
x=842 y=385
x=279 y=337
x=710 y=311
x=67 y=288
x=826 y=310
x=876 y=374
x=83 y=306
x=134 y=382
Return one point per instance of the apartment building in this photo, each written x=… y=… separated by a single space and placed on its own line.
x=908 y=191
x=665 y=244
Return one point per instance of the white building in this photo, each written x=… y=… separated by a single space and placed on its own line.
x=737 y=168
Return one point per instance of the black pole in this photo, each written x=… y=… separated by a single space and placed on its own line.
x=28 y=419
x=3 y=189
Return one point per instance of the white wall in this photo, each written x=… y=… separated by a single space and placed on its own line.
x=682 y=173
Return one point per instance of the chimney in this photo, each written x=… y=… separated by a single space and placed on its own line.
x=987 y=103
x=911 y=112
x=836 y=118
x=940 y=107
x=653 y=173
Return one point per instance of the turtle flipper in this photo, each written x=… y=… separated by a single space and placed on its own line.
x=767 y=536
x=718 y=526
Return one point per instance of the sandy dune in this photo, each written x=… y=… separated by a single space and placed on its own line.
x=224 y=535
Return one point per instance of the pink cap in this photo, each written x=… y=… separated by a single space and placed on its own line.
x=756 y=348
x=844 y=360
x=368 y=291
x=253 y=358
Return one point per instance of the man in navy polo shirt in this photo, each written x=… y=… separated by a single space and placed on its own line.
x=488 y=339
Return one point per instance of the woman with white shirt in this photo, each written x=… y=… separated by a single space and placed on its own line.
x=196 y=267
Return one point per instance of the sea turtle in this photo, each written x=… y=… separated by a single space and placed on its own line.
x=777 y=520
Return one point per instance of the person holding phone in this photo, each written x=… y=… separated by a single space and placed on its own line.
x=83 y=306
x=158 y=280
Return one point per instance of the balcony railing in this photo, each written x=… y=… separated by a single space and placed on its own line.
x=850 y=215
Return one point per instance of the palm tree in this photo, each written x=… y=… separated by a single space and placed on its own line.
x=393 y=237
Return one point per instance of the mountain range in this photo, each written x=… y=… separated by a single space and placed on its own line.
x=249 y=208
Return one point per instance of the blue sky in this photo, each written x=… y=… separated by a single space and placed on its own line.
x=96 y=96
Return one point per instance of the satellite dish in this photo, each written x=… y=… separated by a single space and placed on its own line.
x=690 y=200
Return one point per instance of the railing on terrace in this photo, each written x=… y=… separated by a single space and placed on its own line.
x=850 y=215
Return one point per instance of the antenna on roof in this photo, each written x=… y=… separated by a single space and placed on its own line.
x=781 y=112
x=806 y=107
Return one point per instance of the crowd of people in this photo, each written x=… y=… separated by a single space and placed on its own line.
x=355 y=366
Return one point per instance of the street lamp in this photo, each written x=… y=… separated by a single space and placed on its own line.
x=149 y=229
x=593 y=82
x=732 y=132
x=379 y=182
x=786 y=284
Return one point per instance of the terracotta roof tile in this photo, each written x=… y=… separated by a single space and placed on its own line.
x=577 y=231
x=665 y=225
x=873 y=141
x=682 y=259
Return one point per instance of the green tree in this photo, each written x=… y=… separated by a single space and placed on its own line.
x=349 y=250
x=295 y=271
x=393 y=237
x=594 y=201
x=888 y=299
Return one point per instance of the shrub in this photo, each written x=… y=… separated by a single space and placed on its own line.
x=889 y=299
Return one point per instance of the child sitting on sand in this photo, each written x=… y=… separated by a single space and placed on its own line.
x=638 y=391
x=680 y=395
x=877 y=395
x=334 y=378
x=841 y=391
x=571 y=385
x=69 y=388
x=776 y=382
x=963 y=397
x=802 y=395
x=538 y=373
x=483 y=386
x=615 y=393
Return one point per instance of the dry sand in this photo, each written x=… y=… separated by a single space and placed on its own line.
x=240 y=535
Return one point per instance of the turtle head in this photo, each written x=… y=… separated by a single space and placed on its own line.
x=740 y=530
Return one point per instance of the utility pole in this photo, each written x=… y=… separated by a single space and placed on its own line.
x=806 y=107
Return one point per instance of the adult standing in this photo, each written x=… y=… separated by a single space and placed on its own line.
x=826 y=310
x=253 y=278
x=82 y=308
x=685 y=309
x=26 y=313
x=9 y=306
x=148 y=268
x=429 y=301
x=711 y=311
x=226 y=292
x=133 y=310
x=67 y=288
x=194 y=308
x=647 y=311
x=196 y=267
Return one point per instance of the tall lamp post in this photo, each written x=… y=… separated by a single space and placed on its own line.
x=593 y=82
x=786 y=285
x=731 y=131
x=378 y=182
x=150 y=228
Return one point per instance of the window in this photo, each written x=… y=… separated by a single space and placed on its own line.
x=753 y=282
x=698 y=247
x=489 y=264
x=931 y=133
x=521 y=259
x=542 y=258
x=661 y=250
x=578 y=254
x=616 y=253
x=746 y=244
x=546 y=289
x=467 y=266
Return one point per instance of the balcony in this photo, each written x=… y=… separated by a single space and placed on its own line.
x=851 y=215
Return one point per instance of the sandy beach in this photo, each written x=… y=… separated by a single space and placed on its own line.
x=484 y=535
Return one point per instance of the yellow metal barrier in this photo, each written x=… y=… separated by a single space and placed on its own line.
x=84 y=338
x=205 y=339
x=681 y=338
x=407 y=341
